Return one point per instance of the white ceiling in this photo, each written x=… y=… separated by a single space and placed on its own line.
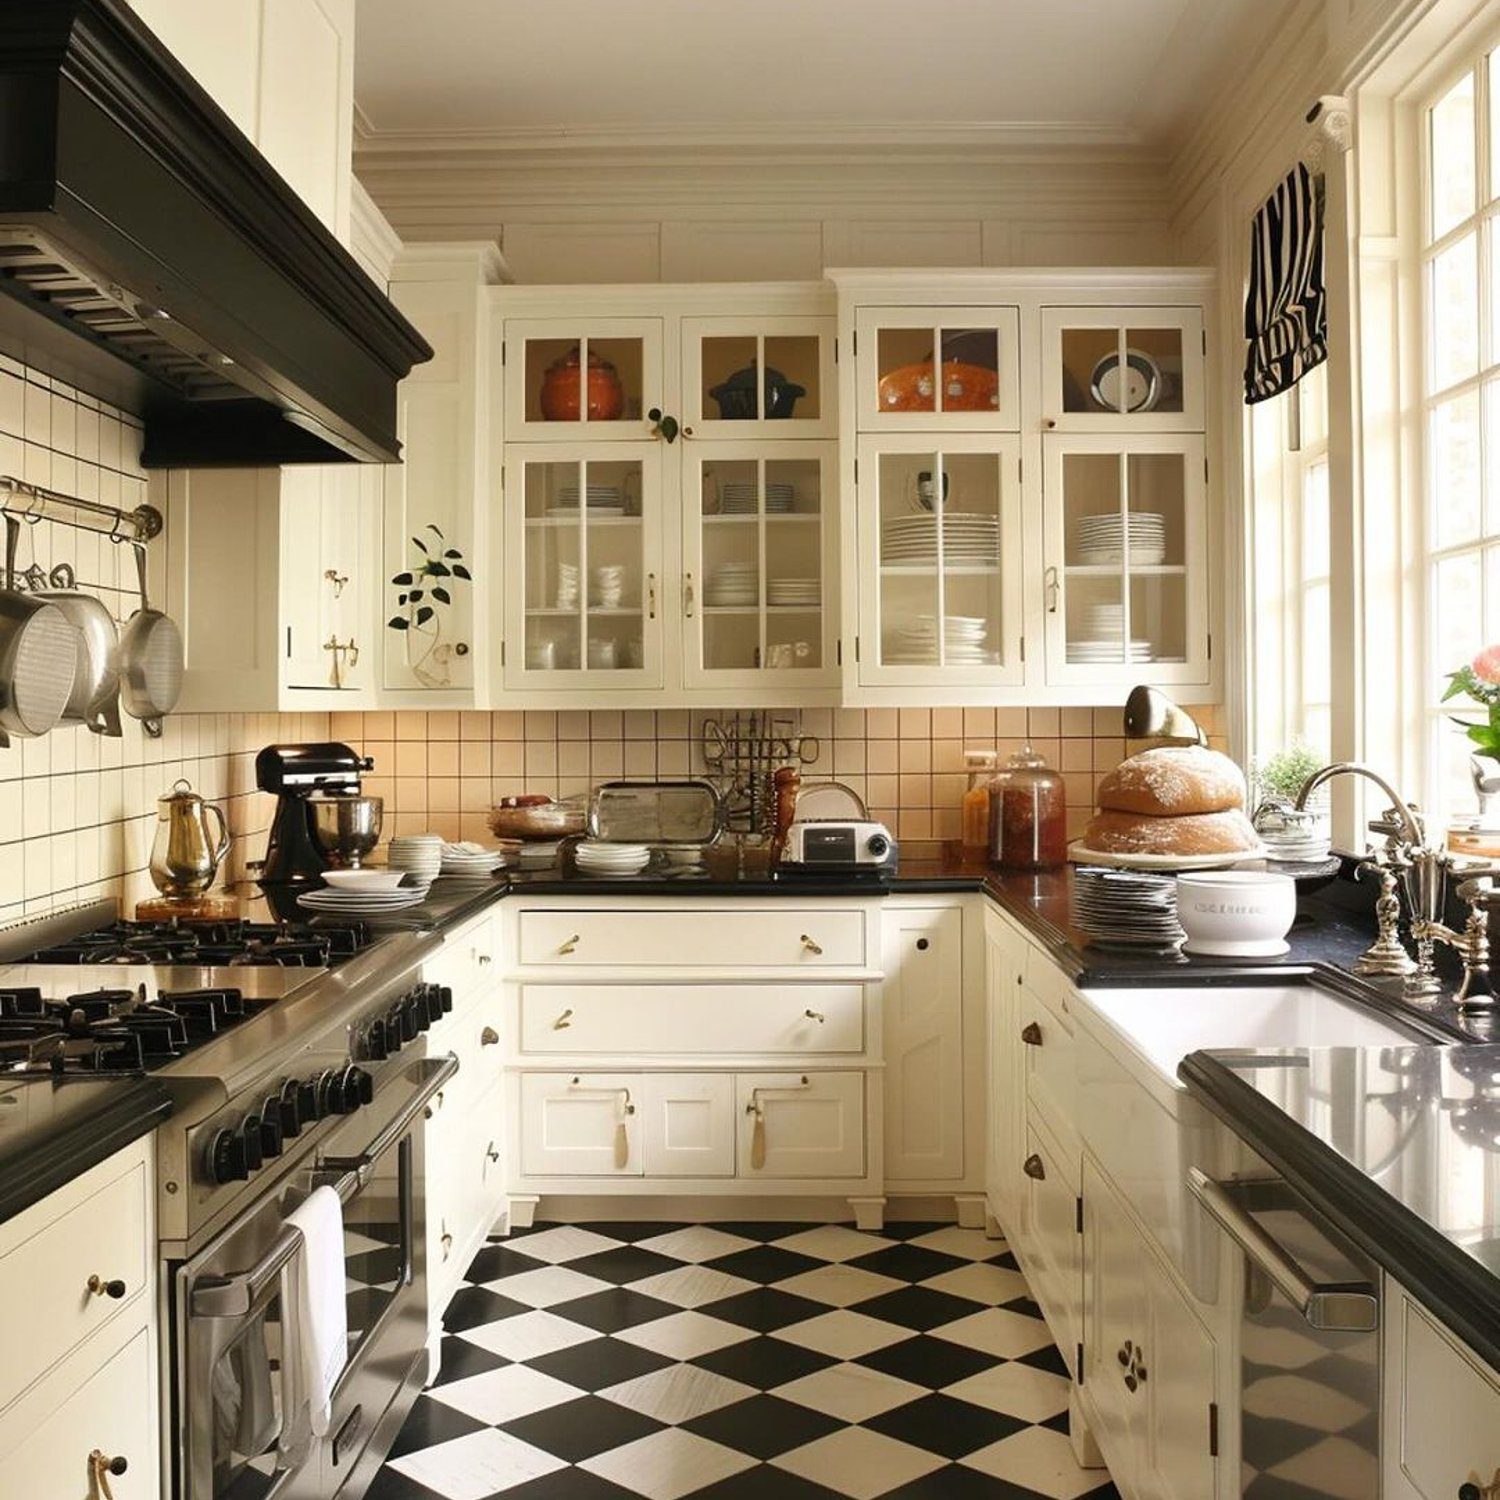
x=1095 y=72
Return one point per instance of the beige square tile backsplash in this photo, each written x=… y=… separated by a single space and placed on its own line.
x=77 y=810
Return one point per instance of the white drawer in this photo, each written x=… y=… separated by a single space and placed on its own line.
x=688 y=1124
x=96 y=1227
x=695 y=937
x=466 y=962
x=692 y=1018
x=1050 y=1068
x=800 y=1124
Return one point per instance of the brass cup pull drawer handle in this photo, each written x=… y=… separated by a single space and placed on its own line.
x=102 y=1288
x=809 y=945
x=564 y=1021
x=1031 y=1034
x=101 y=1468
x=1034 y=1167
x=569 y=945
x=489 y=1037
x=816 y=1015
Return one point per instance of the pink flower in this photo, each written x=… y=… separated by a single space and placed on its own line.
x=1487 y=665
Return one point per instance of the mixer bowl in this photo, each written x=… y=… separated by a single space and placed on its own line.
x=346 y=827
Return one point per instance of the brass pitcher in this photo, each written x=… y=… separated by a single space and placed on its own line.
x=185 y=854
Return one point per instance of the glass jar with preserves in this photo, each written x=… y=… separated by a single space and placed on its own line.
x=1028 y=815
x=975 y=808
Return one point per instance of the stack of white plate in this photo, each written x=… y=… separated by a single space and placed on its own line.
x=470 y=861
x=420 y=855
x=733 y=584
x=346 y=903
x=567 y=585
x=1101 y=539
x=604 y=500
x=741 y=497
x=1126 y=908
x=968 y=537
x=793 y=591
x=1097 y=635
x=913 y=642
x=596 y=857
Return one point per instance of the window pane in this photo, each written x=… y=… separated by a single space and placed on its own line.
x=1316 y=646
x=1453 y=337
x=1315 y=521
x=1312 y=392
x=1495 y=124
x=1453 y=495
x=1457 y=616
x=1452 y=158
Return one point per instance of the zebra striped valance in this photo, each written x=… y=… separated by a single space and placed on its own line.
x=1286 y=307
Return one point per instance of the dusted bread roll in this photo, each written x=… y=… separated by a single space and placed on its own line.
x=1227 y=832
x=1173 y=781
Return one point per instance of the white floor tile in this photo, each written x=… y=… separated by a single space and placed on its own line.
x=527 y=1335
x=500 y=1396
x=852 y=1393
x=685 y=1335
x=839 y=1286
x=833 y=1242
x=698 y=1242
x=843 y=1334
x=547 y=1286
x=968 y=1243
x=677 y=1393
x=1006 y=1335
x=477 y=1466
x=988 y=1284
x=566 y=1242
x=1015 y=1389
x=860 y=1463
x=692 y=1286
x=668 y=1464
x=1038 y=1459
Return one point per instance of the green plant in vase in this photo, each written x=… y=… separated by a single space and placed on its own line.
x=1479 y=681
x=1282 y=776
x=426 y=595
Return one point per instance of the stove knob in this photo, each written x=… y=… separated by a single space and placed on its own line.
x=417 y=1006
x=374 y=1045
x=289 y=1104
x=445 y=997
x=432 y=998
x=326 y=1085
x=271 y=1133
x=358 y=1087
x=403 y=1022
x=255 y=1155
x=226 y=1157
x=309 y=1107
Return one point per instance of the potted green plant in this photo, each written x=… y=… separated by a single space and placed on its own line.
x=424 y=598
x=1282 y=776
x=1479 y=682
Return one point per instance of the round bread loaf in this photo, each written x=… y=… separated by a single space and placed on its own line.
x=1227 y=832
x=1173 y=781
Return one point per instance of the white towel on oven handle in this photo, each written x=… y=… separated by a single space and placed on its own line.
x=317 y=1319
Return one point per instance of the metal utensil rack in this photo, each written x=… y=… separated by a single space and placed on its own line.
x=32 y=502
x=741 y=755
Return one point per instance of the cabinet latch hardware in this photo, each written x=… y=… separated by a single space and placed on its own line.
x=1079 y=1364
x=1476 y=1489
x=489 y=1037
x=1078 y=1214
x=1023 y=648
x=1213 y=1429
x=815 y=1015
x=102 y=1288
x=101 y=1468
x=569 y=945
x=1031 y=1034
x=1053 y=587
x=687 y=595
x=337 y=579
x=650 y=596
x=1034 y=1168
x=564 y=1021
x=811 y=946
x=839 y=649
x=490 y=1154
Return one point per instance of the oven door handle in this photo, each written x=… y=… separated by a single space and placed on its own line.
x=1333 y=1306
x=233 y=1296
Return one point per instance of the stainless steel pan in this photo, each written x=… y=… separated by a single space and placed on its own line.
x=150 y=659
x=38 y=655
x=95 y=699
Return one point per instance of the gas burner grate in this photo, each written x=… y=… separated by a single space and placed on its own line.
x=212 y=944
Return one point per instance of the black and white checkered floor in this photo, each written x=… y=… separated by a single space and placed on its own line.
x=742 y=1362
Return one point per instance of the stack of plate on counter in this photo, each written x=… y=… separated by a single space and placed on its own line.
x=604 y=500
x=793 y=591
x=357 y=903
x=597 y=857
x=538 y=854
x=969 y=538
x=1097 y=635
x=1101 y=539
x=741 y=497
x=470 y=861
x=1126 y=908
x=420 y=855
x=733 y=584
x=913 y=642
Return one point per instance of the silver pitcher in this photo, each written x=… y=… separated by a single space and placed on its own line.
x=186 y=853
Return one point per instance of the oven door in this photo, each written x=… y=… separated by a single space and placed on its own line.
x=235 y=1439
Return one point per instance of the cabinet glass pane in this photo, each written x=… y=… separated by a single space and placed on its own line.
x=732 y=497
x=794 y=565
x=794 y=356
x=970 y=376
x=1092 y=362
x=909 y=513
x=747 y=378
x=556 y=391
x=971 y=575
x=584 y=566
x=971 y=370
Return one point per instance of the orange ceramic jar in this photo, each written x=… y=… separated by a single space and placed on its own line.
x=560 y=390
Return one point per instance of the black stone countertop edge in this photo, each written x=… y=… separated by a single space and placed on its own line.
x=66 y=1156
x=1454 y=1286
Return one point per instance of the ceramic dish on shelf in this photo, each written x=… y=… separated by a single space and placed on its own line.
x=360 y=903
x=366 y=879
x=1080 y=854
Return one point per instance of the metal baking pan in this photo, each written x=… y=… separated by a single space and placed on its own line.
x=656 y=812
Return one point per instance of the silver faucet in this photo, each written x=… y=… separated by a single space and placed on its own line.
x=1422 y=872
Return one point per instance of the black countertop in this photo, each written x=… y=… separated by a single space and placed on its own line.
x=1398 y=1145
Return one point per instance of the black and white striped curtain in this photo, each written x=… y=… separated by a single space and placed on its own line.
x=1286 y=308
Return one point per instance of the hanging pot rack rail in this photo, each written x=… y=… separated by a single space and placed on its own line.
x=32 y=502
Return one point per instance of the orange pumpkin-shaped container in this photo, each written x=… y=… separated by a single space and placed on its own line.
x=966 y=387
x=561 y=385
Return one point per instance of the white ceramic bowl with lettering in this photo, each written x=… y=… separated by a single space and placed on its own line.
x=1236 y=913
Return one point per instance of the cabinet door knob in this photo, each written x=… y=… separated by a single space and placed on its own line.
x=102 y=1288
x=1123 y=1354
x=922 y=945
x=1031 y=1034
x=103 y=1467
x=1033 y=1167
x=1049 y=423
x=489 y=1037
x=811 y=946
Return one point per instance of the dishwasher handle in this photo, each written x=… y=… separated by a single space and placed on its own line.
x=1337 y=1306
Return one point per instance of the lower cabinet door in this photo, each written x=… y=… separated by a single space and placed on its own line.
x=1051 y=1242
x=112 y=1413
x=688 y=1124
x=1181 y=1385
x=581 y=1124
x=800 y=1124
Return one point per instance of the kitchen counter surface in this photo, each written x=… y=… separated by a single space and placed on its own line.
x=1398 y=1145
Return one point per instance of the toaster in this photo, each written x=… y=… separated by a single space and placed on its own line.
x=839 y=846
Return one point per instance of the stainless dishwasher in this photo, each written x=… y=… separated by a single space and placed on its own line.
x=1309 y=1346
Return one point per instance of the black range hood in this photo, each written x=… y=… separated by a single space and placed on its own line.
x=153 y=258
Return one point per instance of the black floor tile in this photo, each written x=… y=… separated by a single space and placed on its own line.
x=908 y=1263
x=943 y=1424
x=765 y=1264
x=764 y=1362
x=764 y=1232
x=918 y=1307
x=955 y=1482
x=599 y=1363
x=497 y=1260
x=458 y=1359
x=375 y=1267
x=474 y=1306
x=631 y=1232
x=765 y=1483
x=1023 y=1305
x=910 y=1229
x=388 y=1484
x=609 y=1312
x=577 y=1430
x=1047 y=1358
x=429 y=1423
x=934 y=1363
x=568 y=1484
x=627 y=1263
x=763 y=1426
x=766 y=1309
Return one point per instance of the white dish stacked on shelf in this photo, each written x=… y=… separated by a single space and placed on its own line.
x=913 y=642
x=1126 y=908
x=538 y=854
x=803 y=592
x=1100 y=540
x=567 y=586
x=420 y=855
x=733 y=584
x=333 y=901
x=969 y=538
x=597 y=857
x=606 y=586
x=470 y=861
x=1096 y=634
x=603 y=500
x=741 y=497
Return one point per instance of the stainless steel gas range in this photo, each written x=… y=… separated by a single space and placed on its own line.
x=294 y=1056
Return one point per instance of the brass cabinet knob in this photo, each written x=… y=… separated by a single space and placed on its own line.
x=1031 y=1034
x=489 y=1037
x=811 y=946
x=1033 y=1167
x=102 y=1288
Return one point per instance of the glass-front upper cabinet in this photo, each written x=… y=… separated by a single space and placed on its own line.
x=1126 y=585
x=1114 y=369
x=941 y=560
x=935 y=368
x=768 y=377
x=584 y=534
x=585 y=378
x=758 y=588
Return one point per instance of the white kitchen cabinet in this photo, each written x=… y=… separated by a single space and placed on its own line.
x=547 y=398
x=758 y=375
x=581 y=1124
x=1047 y=1239
x=1005 y=1092
x=1440 y=1423
x=801 y=1124
x=688 y=1124
x=923 y=996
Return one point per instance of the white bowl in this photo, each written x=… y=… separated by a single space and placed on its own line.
x=363 y=880
x=1236 y=913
